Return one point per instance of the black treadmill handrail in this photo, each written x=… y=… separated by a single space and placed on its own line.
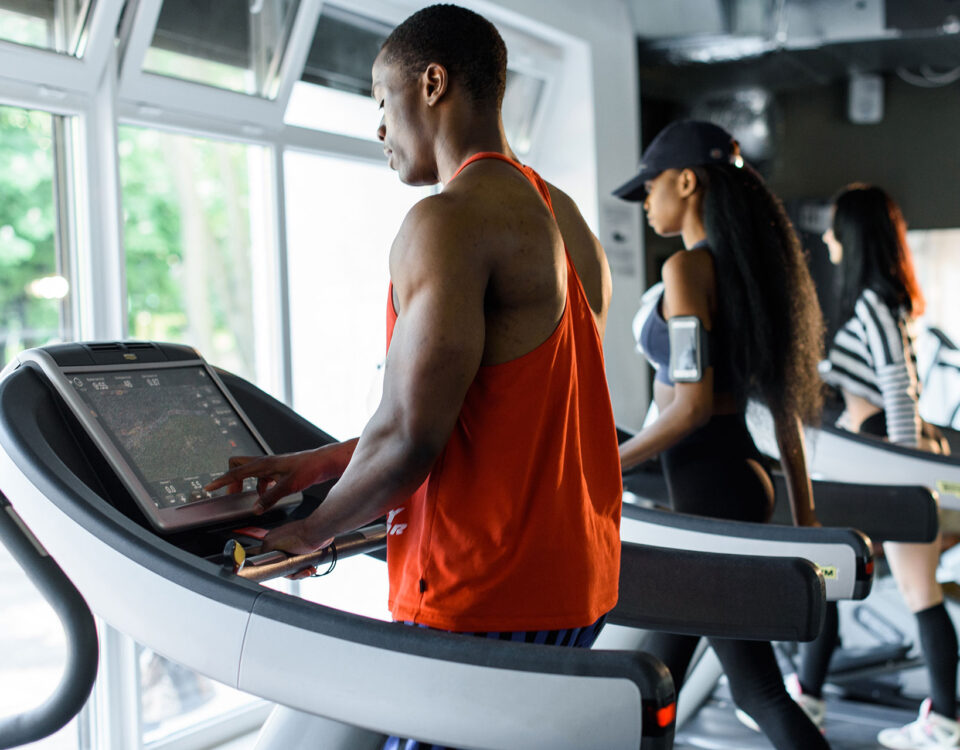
x=82 y=647
x=884 y=512
x=855 y=540
x=748 y=529
x=28 y=410
x=747 y=597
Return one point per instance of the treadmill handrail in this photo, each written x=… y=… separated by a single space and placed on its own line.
x=884 y=512
x=885 y=445
x=844 y=456
x=748 y=597
x=82 y=647
x=845 y=555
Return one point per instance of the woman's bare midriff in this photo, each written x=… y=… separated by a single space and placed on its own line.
x=858 y=410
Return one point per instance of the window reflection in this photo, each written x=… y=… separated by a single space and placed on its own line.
x=231 y=44
x=58 y=25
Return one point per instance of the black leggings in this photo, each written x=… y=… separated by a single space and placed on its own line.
x=717 y=471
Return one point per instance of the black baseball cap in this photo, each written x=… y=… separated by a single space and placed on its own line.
x=684 y=143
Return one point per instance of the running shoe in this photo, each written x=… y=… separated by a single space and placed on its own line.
x=747 y=720
x=930 y=731
x=815 y=708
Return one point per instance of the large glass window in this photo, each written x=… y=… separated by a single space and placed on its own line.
x=195 y=252
x=232 y=44
x=58 y=25
x=34 y=286
x=333 y=93
x=34 y=306
x=522 y=102
x=935 y=253
x=342 y=216
x=198 y=264
x=174 y=699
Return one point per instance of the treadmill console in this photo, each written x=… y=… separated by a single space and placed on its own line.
x=164 y=422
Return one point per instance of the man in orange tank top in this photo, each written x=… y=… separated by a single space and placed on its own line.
x=493 y=452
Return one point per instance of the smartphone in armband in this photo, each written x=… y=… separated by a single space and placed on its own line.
x=688 y=354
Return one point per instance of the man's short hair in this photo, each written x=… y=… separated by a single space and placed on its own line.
x=464 y=42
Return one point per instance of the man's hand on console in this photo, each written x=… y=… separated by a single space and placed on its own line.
x=282 y=475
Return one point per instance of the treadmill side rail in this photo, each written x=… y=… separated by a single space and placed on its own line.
x=844 y=555
x=82 y=647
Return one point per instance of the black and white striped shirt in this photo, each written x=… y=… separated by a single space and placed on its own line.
x=872 y=356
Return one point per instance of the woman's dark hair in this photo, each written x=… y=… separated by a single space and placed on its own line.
x=869 y=225
x=464 y=42
x=766 y=298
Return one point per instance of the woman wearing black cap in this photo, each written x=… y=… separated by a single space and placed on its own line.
x=736 y=318
x=872 y=362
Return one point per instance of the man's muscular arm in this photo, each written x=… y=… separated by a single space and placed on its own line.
x=439 y=275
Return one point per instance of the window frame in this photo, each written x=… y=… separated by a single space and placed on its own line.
x=57 y=72
x=255 y=115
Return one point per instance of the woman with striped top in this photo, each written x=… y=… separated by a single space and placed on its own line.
x=872 y=359
x=872 y=362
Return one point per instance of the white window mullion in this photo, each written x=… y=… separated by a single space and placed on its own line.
x=137 y=41
x=115 y=706
x=282 y=282
x=268 y=256
x=98 y=50
x=301 y=39
x=100 y=266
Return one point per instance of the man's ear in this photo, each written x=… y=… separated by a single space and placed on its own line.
x=435 y=81
x=687 y=183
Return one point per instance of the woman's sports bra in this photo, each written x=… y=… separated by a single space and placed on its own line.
x=650 y=333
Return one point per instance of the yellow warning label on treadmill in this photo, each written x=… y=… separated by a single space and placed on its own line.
x=948 y=488
x=829 y=571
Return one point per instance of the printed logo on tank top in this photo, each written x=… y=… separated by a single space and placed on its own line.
x=395 y=529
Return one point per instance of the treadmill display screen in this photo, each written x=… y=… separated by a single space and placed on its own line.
x=172 y=425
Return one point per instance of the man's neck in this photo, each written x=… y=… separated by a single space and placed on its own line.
x=460 y=140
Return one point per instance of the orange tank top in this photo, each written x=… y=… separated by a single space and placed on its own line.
x=517 y=525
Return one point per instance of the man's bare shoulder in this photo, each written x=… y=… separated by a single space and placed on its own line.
x=431 y=230
x=563 y=202
x=441 y=213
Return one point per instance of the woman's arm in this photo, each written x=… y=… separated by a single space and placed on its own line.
x=896 y=374
x=688 y=279
x=793 y=458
